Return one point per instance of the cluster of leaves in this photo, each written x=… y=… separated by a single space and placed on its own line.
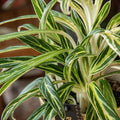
x=77 y=63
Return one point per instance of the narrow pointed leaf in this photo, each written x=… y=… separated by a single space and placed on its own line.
x=102 y=15
x=32 y=85
x=19 y=18
x=38 y=44
x=102 y=107
x=12 y=75
x=18 y=101
x=113 y=41
x=108 y=93
x=91 y=113
x=36 y=115
x=103 y=60
x=114 y=22
x=48 y=91
x=12 y=61
x=13 y=48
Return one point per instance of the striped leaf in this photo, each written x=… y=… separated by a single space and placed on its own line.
x=79 y=22
x=13 y=48
x=45 y=14
x=38 y=44
x=80 y=12
x=102 y=107
x=49 y=113
x=104 y=59
x=19 y=18
x=13 y=61
x=35 y=31
x=114 y=22
x=91 y=113
x=48 y=91
x=67 y=22
x=12 y=75
x=27 y=26
x=75 y=54
x=65 y=4
x=102 y=15
x=39 y=6
x=113 y=40
x=32 y=85
x=52 y=68
x=18 y=101
x=37 y=114
x=63 y=92
x=108 y=93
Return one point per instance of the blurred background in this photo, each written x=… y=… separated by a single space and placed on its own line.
x=13 y=8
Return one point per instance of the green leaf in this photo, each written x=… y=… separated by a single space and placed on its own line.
x=63 y=92
x=38 y=44
x=12 y=75
x=27 y=26
x=67 y=22
x=35 y=31
x=32 y=85
x=36 y=115
x=113 y=40
x=52 y=68
x=48 y=91
x=13 y=61
x=104 y=59
x=13 y=48
x=108 y=93
x=91 y=113
x=65 y=4
x=114 y=22
x=102 y=107
x=18 y=101
x=79 y=23
x=75 y=54
x=19 y=18
x=102 y=15
x=39 y=6
x=49 y=113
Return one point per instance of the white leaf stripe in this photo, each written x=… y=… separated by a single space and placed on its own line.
x=35 y=31
x=16 y=102
x=100 y=104
x=49 y=92
x=19 y=18
x=12 y=75
x=102 y=61
x=13 y=48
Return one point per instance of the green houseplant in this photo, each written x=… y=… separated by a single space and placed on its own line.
x=73 y=65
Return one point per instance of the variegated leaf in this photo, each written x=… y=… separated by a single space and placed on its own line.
x=13 y=48
x=102 y=107
x=108 y=93
x=91 y=113
x=114 y=22
x=17 y=101
x=12 y=61
x=104 y=59
x=36 y=115
x=19 y=18
x=52 y=68
x=102 y=15
x=38 y=44
x=113 y=40
x=12 y=75
x=48 y=91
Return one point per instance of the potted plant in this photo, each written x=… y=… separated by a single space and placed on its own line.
x=75 y=66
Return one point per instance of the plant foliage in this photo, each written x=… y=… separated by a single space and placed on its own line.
x=77 y=62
